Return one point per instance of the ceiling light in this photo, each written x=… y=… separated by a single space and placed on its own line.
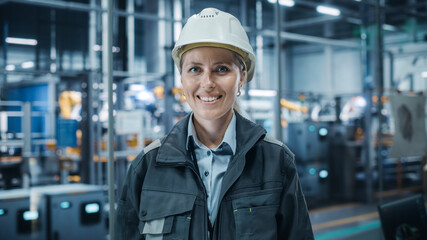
x=328 y=10
x=287 y=3
x=21 y=41
x=27 y=64
x=10 y=67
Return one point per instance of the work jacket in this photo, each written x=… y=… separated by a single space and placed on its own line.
x=164 y=197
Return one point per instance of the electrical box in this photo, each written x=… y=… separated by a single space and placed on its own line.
x=309 y=141
x=69 y=211
x=23 y=215
x=75 y=212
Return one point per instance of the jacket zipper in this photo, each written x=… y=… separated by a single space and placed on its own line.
x=205 y=196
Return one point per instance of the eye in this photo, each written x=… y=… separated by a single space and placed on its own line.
x=223 y=69
x=194 y=69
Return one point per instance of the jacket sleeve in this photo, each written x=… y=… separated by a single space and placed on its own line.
x=126 y=224
x=293 y=219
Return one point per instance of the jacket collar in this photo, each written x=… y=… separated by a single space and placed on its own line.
x=173 y=148
x=229 y=136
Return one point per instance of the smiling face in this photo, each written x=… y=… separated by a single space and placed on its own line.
x=211 y=78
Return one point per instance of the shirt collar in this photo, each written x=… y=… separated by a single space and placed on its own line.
x=229 y=136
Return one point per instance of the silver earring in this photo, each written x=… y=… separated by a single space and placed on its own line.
x=238 y=93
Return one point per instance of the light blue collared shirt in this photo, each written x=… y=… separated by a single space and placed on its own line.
x=213 y=163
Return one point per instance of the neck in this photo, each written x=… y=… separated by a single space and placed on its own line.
x=211 y=132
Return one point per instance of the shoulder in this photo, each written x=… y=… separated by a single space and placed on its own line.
x=278 y=144
x=155 y=144
x=142 y=160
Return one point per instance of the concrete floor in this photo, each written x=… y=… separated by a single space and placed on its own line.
x=347 y=221
x=351 y=221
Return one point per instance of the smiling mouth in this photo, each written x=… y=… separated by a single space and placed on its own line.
x=209 y=99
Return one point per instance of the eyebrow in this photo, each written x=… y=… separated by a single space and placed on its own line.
x=194 y=63
x=215 y=63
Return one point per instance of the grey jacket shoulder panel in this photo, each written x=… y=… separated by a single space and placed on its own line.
x=272 y=140
x=155 y=144
x=137 y=163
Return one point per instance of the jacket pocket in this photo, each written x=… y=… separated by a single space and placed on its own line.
x=165 y=215
x=255 y=215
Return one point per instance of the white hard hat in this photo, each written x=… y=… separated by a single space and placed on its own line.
x=214 y=28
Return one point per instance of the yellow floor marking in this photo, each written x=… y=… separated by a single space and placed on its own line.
x=343 y=221
x=332 y=208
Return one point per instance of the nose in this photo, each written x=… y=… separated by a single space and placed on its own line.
x=207 y=81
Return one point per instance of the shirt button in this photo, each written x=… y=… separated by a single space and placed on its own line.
x=209 y=153
x=206 y=173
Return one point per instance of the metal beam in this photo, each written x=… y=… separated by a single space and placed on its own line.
x=144 y=16
x=82 y=7
x=310 y=21
x=380 y=85
x=312 y=39
x=108 y=73
x=58 y=4
x=278 y=122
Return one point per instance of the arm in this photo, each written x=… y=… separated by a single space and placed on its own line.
x=293 y=219
x=126 y=225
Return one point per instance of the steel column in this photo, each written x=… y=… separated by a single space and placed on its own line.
x=278 y=122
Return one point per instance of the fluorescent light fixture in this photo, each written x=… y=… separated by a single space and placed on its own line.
x=389 y=27
x=27 y=64
x=10 y=67
x=328 y=10
x=21 y=41
x=286 y=3
x=424 y=74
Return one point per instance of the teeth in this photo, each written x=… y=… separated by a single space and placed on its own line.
x=208 y=99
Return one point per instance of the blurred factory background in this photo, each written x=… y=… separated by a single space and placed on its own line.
x=341 y=82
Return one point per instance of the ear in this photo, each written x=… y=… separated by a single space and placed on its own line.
x=242 y=79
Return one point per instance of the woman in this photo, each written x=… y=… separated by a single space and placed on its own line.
x=216 y=175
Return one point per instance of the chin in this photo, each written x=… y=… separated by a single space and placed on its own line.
x=211 y=115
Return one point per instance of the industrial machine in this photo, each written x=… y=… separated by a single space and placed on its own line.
x=23 y=215
x=309 y=141
x=71 y=211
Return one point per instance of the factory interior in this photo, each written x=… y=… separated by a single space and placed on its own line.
x=341 y=82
